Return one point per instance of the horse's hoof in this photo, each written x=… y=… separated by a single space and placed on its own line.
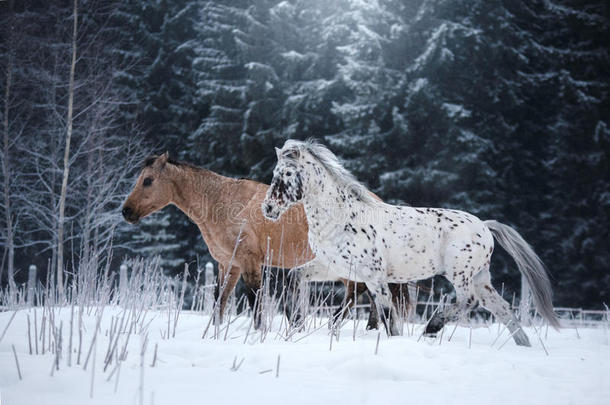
x=339 y=314
x=433 y=327
x=372 y=326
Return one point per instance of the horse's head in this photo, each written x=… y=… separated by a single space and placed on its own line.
x=287 y=185
x=152 y=192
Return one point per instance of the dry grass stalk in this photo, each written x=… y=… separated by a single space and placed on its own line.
x=29 y=336
x=236 y=365
x=92 y=382
x=181 y=302
x=377 y=344
x=143 y=348
x=277 y=367
x=8 y=324
x=17 y=362
x=35 y=332
x=154 y=360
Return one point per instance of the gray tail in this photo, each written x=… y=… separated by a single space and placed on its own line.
x=529 y=265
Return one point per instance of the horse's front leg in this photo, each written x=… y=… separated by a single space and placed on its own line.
x=348 y=302
x=401 y=297
x=382 y=297
x=252 y=278
x=297 y=296
x=227 y=279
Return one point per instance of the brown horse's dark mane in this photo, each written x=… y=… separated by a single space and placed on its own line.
x=182 y=164
x=149 y=161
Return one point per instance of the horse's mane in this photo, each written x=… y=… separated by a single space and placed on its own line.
x=333 y=166
x=150 y=160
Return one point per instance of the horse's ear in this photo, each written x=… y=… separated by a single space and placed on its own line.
x=277 y=152
x=292 y=154
x=163 y=159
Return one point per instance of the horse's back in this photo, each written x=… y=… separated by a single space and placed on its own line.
x=420 y=240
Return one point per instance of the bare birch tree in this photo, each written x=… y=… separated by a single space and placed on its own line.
x=66 y=173
x=69 y=173
x=6 y=172
x=8 y=141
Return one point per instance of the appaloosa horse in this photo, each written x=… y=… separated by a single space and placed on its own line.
x=366 y=240
x=227 y=213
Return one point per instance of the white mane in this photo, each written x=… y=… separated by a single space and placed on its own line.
x=333 y=166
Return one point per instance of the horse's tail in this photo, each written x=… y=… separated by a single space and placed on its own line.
x=529 y=265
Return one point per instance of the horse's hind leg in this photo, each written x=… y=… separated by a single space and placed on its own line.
x=373 y=322
x=400 y=298
x=494 y=303
x=352 y=291
x=465 y=301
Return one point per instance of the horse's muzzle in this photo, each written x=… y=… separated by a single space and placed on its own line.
x=129 y=215
x=269 y=212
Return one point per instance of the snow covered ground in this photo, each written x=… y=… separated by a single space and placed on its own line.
x=237 y=370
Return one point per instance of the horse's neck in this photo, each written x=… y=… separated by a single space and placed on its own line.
x=200 y=194
x=325 y=205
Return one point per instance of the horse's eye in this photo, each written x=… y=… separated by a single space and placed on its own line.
x=147 y=182
x=288 y=174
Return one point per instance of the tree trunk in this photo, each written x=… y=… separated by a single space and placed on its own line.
x=64 y=184
x=10 y=243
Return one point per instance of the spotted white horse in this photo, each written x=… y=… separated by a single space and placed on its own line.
x=369 y=241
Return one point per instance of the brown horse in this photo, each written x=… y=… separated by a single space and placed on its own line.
x=228 y=215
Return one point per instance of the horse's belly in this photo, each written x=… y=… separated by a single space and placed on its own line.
x=414 y=255
x=338 y=260
x=337 y=265
x=403 y=268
